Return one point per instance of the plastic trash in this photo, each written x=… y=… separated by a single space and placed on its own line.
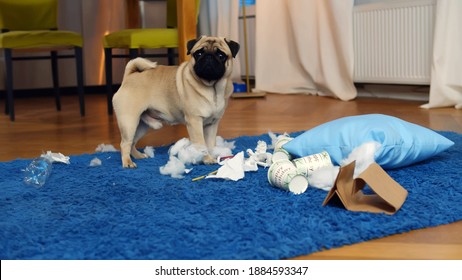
x=37 y=172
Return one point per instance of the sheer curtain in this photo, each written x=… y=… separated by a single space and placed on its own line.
x=446 y=74
x=305 y=46
x=99 y=18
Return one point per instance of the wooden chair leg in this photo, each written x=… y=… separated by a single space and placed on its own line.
x=133 y=53
x=80 y=83
x=108 y=67
x=54 y=71
x=9 y=100
x=171 y=56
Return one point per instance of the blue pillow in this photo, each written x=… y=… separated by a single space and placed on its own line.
x=403 y=143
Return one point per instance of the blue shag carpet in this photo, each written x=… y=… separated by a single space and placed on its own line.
x=107 y=212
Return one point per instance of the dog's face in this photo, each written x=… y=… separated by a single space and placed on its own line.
x=212 y=57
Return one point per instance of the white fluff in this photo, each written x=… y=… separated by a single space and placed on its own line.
x=324 y=177
x=186 y=152
x=179 y=145
x=174 y=168
x=222 y=148
x=149 y=151
x=221 y=152
x=105 y=148
x=183 y=153
x=364 y=155
x=192 y=154
x=220 y=142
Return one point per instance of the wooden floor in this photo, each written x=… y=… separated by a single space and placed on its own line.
x=39 y=128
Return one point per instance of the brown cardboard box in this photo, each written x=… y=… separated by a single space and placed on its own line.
x=388 y=198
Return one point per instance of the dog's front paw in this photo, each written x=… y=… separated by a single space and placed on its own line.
x=128 y=164
x=209 y=160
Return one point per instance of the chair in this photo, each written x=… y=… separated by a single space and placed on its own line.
x=31 y=26
x=138 y=39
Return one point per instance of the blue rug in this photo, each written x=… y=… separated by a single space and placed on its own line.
x=108 y=212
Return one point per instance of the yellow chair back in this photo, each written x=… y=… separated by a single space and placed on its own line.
x=17 y=15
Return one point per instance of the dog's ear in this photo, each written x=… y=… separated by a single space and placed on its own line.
x=233 y=46
x=191 y=44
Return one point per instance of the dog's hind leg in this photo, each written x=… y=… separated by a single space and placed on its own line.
x=128 y=126
x=145 y=123
x=140 y=132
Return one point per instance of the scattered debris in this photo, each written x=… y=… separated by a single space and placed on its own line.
x=95 y=162
x=149 y=151
x=105 y=148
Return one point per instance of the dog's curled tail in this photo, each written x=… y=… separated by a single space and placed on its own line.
x=139 y=64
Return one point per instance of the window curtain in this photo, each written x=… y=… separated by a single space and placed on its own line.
x=446 y=72
x=305 y=46
x=99 y=18
x=220 y=18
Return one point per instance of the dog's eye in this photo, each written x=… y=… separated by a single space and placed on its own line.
x=198 y=53
x=221 y=55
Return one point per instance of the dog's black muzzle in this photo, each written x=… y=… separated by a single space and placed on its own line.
x=210 y=66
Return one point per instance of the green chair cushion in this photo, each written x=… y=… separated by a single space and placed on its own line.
x=39 y=39
x=149 y=38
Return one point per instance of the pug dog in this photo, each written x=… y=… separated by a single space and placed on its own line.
x=194 y=93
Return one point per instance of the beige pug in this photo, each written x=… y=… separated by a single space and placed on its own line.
x=195 y=93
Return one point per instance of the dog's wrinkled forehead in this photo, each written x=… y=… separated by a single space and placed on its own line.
x=211 y=44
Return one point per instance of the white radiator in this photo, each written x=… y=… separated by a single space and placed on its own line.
x=393 y=42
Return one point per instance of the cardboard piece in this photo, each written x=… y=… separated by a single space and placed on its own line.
x=388 y=198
